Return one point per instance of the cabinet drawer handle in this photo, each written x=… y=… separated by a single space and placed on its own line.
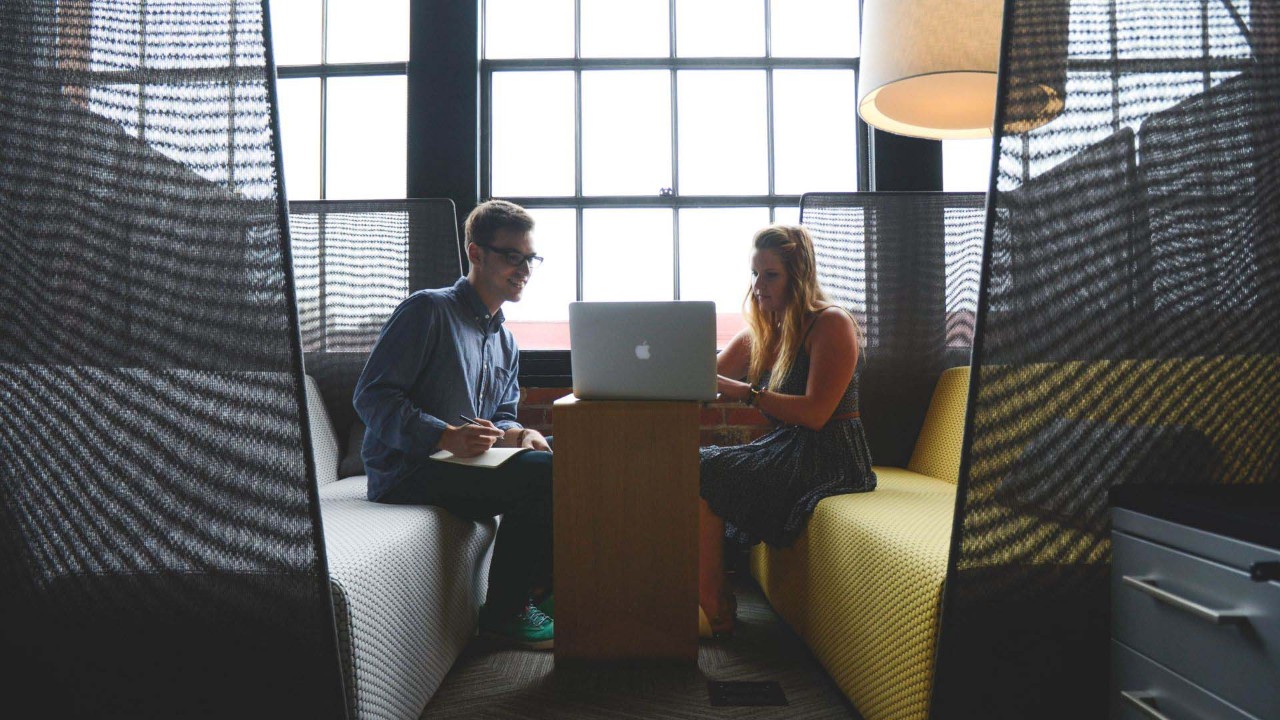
x=1146 y=585
x=1142 y=702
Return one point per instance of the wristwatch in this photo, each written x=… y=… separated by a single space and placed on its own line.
x=755 y=389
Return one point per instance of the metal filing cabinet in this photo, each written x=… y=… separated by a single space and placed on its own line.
x=1195 y=598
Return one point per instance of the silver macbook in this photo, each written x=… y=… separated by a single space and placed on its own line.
x=643 y=350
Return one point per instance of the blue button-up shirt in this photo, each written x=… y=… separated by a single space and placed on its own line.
x=440 y=355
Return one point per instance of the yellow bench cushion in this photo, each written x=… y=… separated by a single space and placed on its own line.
x=937 y=450
x=863 y=586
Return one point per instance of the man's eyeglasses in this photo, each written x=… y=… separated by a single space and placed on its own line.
x=514 y=258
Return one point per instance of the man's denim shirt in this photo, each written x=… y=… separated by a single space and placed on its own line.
x=440 y=355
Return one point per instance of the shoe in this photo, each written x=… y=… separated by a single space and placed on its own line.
x=548 y=606
x=532 y=628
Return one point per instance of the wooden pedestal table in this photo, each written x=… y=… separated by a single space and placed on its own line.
x=626 y=530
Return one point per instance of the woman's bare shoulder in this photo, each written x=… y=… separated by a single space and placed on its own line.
x=833 y=319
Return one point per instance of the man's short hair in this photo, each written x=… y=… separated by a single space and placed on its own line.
x=489 y=217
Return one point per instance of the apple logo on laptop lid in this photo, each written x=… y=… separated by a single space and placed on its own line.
x=642 y=350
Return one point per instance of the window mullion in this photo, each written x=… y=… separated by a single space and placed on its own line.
x=486 y=132
x=768 y=98
x=324 y=99
x=675 y=153
x=577 y=140
x=577 y=211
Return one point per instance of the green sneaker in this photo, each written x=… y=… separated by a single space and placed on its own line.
x=531 y=629
x=548 y=606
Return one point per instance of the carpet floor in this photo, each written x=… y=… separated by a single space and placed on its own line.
x=490 y=681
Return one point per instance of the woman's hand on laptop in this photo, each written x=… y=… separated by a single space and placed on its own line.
x=732 y=390
x=470 y=440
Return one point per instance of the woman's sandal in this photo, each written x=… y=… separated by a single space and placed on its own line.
x=721 y=627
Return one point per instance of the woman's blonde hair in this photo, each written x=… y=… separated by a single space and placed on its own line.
x=779 y=335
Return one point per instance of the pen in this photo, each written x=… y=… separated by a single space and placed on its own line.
x=469 y=421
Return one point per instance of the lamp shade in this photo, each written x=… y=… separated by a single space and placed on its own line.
x=929 y=69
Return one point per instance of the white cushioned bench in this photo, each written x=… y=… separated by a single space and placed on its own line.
x=407 y=582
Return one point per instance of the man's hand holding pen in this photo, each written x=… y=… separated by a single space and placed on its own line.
x=472 y=437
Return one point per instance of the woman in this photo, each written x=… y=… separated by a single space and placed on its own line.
x=800 y=360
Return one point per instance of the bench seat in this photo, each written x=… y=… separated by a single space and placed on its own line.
x=407 y=582
x=862 y=586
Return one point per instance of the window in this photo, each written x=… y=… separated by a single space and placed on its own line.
x=651 y=138
x=966 y=165
x=342 y=96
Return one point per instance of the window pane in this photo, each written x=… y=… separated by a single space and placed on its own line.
x=532 y=134
x=815 y=131
x=626 y=255
x=786 y=215
x=117 y=103
x=365 y=153
x=300 y=136
x=166 y=127
x=639 y=28
x=626 y=132
x=815 y=28
x=295 y=31
x=715 y=260
x=115 y=37
x=715 y=254
x=723 y=148
x=540 y=320
x=966 y=165
x=362 y=31
x=720 y=28
x=528 y=29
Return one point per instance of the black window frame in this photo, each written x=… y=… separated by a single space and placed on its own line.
x=444 y=144
x=325 y=70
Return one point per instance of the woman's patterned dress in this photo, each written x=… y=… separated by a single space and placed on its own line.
x=767 y=489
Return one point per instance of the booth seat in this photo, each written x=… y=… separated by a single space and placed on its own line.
x=863 y=585
x=407 y=582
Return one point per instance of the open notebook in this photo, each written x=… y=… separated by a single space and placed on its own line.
x=491 y=458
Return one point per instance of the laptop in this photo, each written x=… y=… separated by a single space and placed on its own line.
x=643 y=350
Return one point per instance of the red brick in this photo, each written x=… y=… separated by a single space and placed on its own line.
x=543 y=396
x=747 y=416
x=531 y=417
x=711 y=417
x=723 y=436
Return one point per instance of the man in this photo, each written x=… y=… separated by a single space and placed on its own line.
x=443 y=356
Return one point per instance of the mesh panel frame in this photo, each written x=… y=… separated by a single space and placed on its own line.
x=160 y=544
x=356 y=260
x=1128 y=326
x=907 y=264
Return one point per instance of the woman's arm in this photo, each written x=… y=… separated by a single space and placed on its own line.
x=833 y=353
x=734 y=359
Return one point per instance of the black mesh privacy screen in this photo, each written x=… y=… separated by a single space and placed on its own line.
x=907 y=264
x=1128 y=325
x=354 y=261
x=160 y=546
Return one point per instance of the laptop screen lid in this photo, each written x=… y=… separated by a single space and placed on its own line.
x=643 y=350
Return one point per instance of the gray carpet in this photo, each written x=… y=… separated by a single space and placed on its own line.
x=490 y=681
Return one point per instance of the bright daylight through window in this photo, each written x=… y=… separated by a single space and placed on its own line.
x=651 y=138
x=648 y=138
x=342 y=96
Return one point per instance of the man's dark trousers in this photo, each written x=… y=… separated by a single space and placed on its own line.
x=520 y=491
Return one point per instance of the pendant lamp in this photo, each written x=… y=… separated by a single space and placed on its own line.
x=929 y=70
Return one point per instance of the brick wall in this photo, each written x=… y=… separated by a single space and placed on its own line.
x=722 y=423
